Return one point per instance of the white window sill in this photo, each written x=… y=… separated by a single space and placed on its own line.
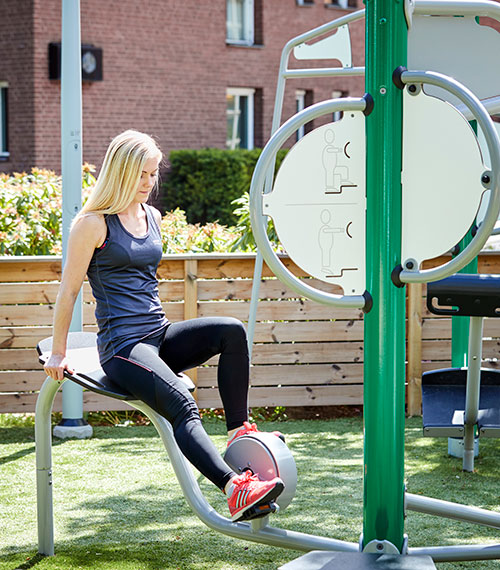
x=231 y=43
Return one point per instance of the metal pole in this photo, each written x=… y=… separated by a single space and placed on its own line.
x=472 y=390
x=43 y=447
x=384 y=340
x=72 y=424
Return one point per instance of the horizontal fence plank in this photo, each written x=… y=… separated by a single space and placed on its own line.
x=30 y=268
x=292 y=353
x=29 y=337
x=309 y=331
x=292 y=396
x=286 y=353
x=46 y=292
x=291 y=310
x=227 y=289
x=21 y=380
x=92 y=402
x=291 y=374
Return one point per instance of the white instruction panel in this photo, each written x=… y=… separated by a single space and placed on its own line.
x=318 y=203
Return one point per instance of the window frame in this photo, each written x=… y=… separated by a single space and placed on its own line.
x=249 y=93
x=300 y=105
x=4 y=122
x=248 y=24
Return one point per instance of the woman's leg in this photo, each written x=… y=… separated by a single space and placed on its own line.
x=190 y=343
x=144 y=374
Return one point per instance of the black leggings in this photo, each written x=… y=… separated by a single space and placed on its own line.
x=149 y=369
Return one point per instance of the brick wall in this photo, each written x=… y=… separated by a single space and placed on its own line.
x=16 y=68
x=166 y=69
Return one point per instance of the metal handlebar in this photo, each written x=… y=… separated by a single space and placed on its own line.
x=259 y=220
x=490 y=178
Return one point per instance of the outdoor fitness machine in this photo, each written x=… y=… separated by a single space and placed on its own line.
x=362 y=188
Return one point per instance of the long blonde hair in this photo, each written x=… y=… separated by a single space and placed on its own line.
x=120 y=174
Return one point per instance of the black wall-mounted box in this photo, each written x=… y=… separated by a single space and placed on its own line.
x=91 y=59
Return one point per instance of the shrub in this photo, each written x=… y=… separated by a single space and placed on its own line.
x=31 y=211
x=180 y=237
x=205 y=182
x=31 y=216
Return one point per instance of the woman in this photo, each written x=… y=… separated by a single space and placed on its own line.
x=116 y=241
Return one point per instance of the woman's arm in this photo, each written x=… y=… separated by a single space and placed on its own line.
x=87 y=234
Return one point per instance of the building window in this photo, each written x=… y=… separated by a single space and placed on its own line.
x=303 y=98
x=4 y=149
x=240 y=118
x=344 y=4
x=240 y=20
x=300 y=104
x=304 y=2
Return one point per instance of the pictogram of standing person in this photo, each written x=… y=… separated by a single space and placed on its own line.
x=326 y=241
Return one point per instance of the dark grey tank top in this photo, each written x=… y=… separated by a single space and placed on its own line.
x=122 y=274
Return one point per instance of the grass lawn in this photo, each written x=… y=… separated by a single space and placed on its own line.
x=118 y=505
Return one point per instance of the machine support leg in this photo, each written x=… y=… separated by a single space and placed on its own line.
x=472 y=390
x=43 y=445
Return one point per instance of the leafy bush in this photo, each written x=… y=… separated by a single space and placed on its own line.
x=31 y=216
x=180 y=237
x=31 y=211
x=205 y=182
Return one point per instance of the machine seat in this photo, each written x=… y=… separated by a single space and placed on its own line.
x=82 y=353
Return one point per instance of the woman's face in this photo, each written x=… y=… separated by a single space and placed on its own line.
x=148 y=179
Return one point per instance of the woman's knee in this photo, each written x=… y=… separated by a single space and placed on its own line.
x=234 y=330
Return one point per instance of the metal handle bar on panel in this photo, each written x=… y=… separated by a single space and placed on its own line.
x=491 y=181
x=259 y=220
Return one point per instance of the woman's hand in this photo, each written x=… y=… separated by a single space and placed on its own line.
x=56 y=365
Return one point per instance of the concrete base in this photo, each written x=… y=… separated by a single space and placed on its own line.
x=83 y=431
x=321 y=560
x=456 y=447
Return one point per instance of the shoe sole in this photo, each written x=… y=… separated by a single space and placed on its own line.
x=270 y=496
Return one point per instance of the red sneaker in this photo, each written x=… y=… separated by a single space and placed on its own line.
x=249 y=428
x=249 y=492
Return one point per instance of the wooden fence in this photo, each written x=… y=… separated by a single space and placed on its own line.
x=304 y=354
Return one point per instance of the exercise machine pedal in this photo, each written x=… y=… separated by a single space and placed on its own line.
x=258 y=511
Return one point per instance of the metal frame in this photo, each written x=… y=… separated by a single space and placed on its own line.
x=256 y=531
x=436 y=7
x=259 y=221
x=284 y=74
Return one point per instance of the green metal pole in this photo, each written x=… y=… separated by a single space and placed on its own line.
x=384 y=340
x=460 y=325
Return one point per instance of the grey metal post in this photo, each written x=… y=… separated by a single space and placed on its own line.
x=72 y=424
x=43 y=447
x=473 y=390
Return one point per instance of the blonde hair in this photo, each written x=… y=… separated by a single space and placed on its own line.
x=120 y=174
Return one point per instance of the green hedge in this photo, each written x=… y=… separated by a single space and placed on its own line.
x=203 y=183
